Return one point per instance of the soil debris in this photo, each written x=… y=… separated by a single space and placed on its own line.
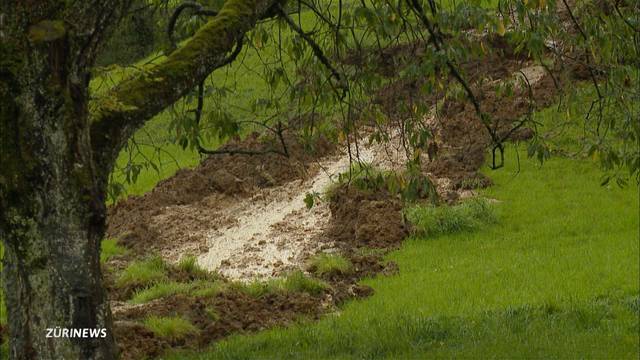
x=246 y=218
x=361 y=218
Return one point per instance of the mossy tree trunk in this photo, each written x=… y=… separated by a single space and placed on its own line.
x=52 y=211
x=56 y=155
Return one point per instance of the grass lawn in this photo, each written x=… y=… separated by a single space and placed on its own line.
x=556 y=277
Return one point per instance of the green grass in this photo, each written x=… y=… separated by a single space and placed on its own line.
x=172 y=328
x=327 y=264
x=160 y=290
x=296 y=281
x=109 y=249
x=197 y=288
x=144 y=272
x=207 y=289
x=189 y=264
x=429 y=220
x=257 y=289
x=556 y=277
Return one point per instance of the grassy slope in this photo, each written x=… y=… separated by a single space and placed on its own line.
x=556 y=277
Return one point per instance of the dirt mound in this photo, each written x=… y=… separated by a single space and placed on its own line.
x=217 y=317
x=248 y=213
x=463 y=139
x=137 y=342
x=143 y=224
x=364 y=218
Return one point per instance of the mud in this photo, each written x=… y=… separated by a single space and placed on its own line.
x=362 y=218
x=462 y=138
x=245 y=216
x=164 y=218
x=229 y=312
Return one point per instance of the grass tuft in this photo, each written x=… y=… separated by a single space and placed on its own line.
x=330 y=264
x=189 y=264
x=206 y=288
x=257 y=289
x=297 y=281
x=146 y=272
x=160 y=290
x=434 y=221
x=172 y=328
x=109 y=249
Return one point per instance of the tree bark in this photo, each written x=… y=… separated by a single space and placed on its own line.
x=55 y=157
x=52 y=211
x=52 y=219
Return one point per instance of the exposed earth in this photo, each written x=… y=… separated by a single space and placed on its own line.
x=245 y=217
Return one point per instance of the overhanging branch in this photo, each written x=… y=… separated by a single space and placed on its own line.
x=115 y=116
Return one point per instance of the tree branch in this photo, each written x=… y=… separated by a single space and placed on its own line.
x=317 y=51
x=116 y=116
x=198 y=10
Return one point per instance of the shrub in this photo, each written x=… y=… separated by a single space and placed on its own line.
x=329 y=264
x=172 y=328
x=144 y=272
x=433 y=221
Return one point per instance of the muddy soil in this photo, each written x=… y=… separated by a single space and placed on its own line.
x=245 y=216
x=462 y=139
x=217 y=317
x=233 y=311
x=366 y=219
x=162 y=218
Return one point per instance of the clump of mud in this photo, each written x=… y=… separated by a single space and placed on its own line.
x=366 y=218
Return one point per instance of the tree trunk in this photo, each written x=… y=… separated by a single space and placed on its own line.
x=55 y=158
x=52 y=210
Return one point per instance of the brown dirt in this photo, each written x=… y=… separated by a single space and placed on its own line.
x=363 y=218
x=463 y=139
x=358 y=218
x=232 y=312
x=213 y=185
x=137 y=342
